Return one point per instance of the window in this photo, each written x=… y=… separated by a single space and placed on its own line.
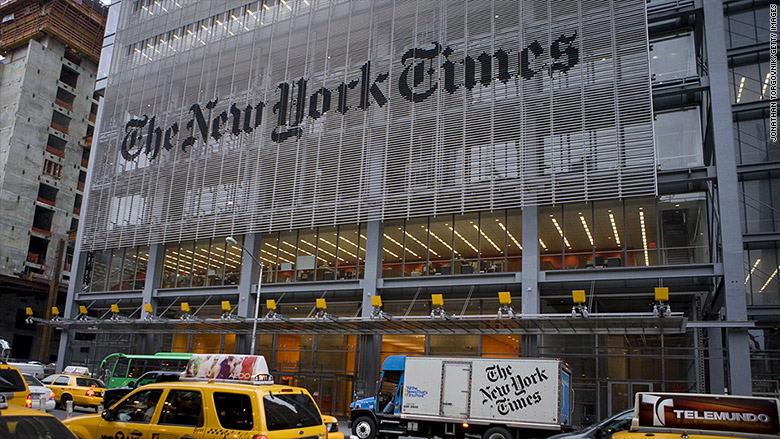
x=62 y=381
x=32 y=427
x=11 y=380
x=750 y=77
x=88 y=382
x=139 y=408
x=49 y=379
x=746 y=24
x=234 y=410
x=673 y=57
x=678 y=139
x=287 y=411
x=751 y=132
x=183 y=407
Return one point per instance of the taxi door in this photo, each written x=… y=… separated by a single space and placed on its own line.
x=180 y=416
x=132 y=418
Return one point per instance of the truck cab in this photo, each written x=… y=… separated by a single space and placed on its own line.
x=365 y=413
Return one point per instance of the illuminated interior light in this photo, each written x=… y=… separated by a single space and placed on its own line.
x=249 y=11
x=436 y=237
x=774 y=273
x=614 y=228
x=755 y=264
x=321 y=250
x=463 y=239
x=766 y=83
x=644 y=235
x=402 y=246
x=265 y=6
x=392 y=254
x=587 y=229
x=487 y=238
x=542 y=244
x=560 y=231
x=282 y=250
x=340 y=250
x=419 y=242
x=274 y=255
x=741 y=86
x=512 y=237
x=233 y=17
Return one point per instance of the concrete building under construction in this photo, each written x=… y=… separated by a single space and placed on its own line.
x=51 y=51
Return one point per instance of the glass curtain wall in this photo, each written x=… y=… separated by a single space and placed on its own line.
x=635 y=232
x=322 y=254
x=483 y=242
x=121 y=269
x=206 y=262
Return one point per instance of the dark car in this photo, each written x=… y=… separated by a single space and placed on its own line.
x=110 y=396
x=602 y=430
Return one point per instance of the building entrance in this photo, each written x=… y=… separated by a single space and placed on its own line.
x=333 y=393
x=621 y=394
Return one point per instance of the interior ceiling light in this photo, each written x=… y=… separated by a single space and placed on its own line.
x=587 y=229
x=340 y=250
x=644 y=235
x=282 y=250
x=463 y=239
x=436 y=237
x=512 y=237
x=766 y=83
x=322 y=250
x=755 y=264
x=741 y=87
x=401 y=245
x=274 y=256
x=560 y=231
x=774 y=273
x=487 y=238
x=542 y=244
x=419 y=242
x=614 y=228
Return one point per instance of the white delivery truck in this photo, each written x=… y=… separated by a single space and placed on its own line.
x=495 y=398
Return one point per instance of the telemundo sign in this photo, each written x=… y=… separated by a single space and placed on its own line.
x=418 y=80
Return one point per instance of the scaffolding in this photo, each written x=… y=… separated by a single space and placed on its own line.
x=77 y=23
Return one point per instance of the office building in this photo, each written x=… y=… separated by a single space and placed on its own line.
x=358 y=151
x=47 y=79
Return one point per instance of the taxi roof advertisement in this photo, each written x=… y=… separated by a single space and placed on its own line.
x=708 y=412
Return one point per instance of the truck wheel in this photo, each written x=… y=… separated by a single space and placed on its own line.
x=497 y=433
x=364 y=428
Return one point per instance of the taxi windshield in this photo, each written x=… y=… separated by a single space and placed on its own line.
x=297 y=410
x=11 y=381
x=33 y=427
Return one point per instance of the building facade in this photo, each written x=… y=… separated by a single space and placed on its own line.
x=400 y=150
x=51 y=52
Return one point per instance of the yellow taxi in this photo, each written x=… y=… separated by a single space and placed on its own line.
x=219 y=396
x=332 y=425
x=84 y=391
x=700 y=416
x=26 y=423
x=13 y=387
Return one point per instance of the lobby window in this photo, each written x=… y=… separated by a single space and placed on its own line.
x=322 y=254
x=474 y=243
x=746 y=24
x=760 y=202
x=762 y=269
x=207 y=262
x=749 y=77
x=673 y=57
x=98 y=273
x=684 y=228
x=678 y=139
x=751 y=133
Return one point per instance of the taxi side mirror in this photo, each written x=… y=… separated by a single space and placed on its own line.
x=106 y=414
x=599 y=433
x=131 y=384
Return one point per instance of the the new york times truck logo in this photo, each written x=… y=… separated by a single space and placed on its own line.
x=298 y=101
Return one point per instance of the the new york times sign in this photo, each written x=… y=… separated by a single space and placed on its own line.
x=423 y=71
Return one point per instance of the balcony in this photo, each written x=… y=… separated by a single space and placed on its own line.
x=45 y=201
x=80 y=186
x=60 y=128
x=33 y=258
x=92 y=117
x=84 y=163
x=63 y=104
x=72 y=236
x=38 y=231
x=77 y=211
x=58 y=152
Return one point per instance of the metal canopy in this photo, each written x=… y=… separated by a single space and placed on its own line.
x=537 y=324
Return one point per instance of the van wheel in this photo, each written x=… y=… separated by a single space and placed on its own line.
x=364 y=428
x=497 y=433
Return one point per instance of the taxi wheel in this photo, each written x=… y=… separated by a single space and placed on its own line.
x=64 y=401
x=364 y=428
